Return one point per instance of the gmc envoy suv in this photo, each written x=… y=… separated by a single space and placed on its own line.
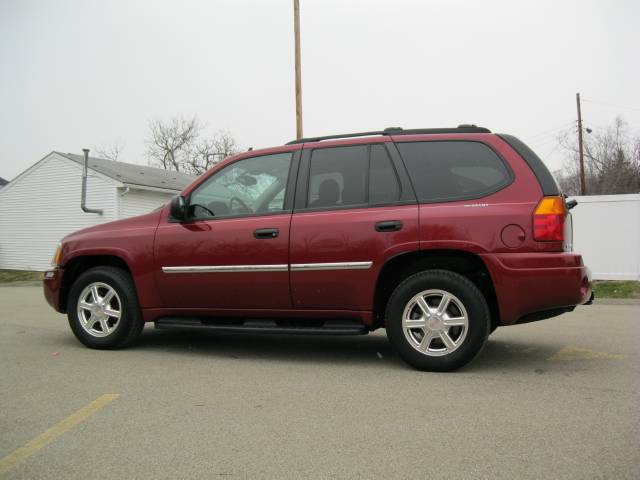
x=437 y=235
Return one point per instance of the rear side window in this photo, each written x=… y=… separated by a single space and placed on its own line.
x=383 y=181
x=338 y=177
x=444 y=171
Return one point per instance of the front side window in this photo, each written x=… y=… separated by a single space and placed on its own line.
x=338 y=177
x=247 y=187
x=444 y=171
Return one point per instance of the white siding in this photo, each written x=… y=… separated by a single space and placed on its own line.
x=138 y=202
x=43 y=205
x=606 y=231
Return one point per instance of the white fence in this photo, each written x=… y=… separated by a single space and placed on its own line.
x=606 y=231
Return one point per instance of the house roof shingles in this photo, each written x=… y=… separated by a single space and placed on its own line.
x=133 y=174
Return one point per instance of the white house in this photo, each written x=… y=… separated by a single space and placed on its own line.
x=42 y=204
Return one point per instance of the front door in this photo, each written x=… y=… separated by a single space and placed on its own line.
x=233 y=251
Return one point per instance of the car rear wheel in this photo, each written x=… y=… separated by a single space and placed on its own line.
x=437 y=320
x=103 y=308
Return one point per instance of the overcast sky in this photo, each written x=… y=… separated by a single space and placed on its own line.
x=80 y=74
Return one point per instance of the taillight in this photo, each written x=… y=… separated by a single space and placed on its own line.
x=548 y=219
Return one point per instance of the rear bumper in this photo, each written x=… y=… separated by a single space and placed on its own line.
x=527 y=283
x=51 y=285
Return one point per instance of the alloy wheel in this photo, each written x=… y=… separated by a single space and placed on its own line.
x=99 y=309
x=435 y=322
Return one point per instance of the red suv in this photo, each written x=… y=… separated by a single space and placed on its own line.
x=437 y=235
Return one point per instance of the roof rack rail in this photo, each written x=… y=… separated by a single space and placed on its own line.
x=464 y=128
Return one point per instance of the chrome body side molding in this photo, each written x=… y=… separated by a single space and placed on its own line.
x=304 y=267
x=295 y=267
x=227 y=269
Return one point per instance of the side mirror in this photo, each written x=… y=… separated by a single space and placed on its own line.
x=571 y=203
x=178 y=208
x=247 y=180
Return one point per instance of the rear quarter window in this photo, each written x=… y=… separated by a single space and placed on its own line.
x=446 y=171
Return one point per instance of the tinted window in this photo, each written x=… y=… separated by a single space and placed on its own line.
x=338 y=177
x=251 y=186
x=383 y=181
x=540 y=170
x=445 y=171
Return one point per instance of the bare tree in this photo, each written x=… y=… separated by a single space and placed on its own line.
x=178 y=145
x=109 y=152
x=209 y=151
x=170 y=144
x=612 y=162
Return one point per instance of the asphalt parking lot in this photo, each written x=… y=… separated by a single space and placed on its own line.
x=553 y=399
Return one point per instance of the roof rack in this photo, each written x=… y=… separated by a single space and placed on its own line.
x=464 y=128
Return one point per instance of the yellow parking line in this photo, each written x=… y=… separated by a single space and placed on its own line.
x=45 y=438
x=575 y=353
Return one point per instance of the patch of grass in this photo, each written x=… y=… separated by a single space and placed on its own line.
x=8 y=276
x=616 y=289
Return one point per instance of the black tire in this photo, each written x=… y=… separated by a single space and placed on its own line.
x=479 y=320
x=130 y=324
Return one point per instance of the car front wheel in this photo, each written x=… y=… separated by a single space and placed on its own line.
x=103 y=308
x=437 y=320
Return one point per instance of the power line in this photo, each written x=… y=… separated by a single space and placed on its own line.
x=545 y=143
x=554 y=149
x=551 y=137
x=553 y=130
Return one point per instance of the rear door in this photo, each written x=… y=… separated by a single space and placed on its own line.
x=354 y=209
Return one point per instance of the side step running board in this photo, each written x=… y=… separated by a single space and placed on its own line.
x=329 y=327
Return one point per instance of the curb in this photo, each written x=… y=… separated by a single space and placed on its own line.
x=24 y=283
x=616 y=301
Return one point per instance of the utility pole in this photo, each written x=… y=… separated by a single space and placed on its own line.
x=296 y=33
x=583 y=188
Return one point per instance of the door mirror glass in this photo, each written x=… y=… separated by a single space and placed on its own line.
x=247 y=180
x=178 y=209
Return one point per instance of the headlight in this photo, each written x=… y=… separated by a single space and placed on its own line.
x=55 y=261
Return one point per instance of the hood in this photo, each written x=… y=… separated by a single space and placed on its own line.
x=141 y=221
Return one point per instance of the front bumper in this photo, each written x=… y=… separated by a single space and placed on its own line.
x=527 y=283
x=51 y=285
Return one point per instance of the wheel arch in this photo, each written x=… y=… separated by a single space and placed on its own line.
x=401 y=266
x=80 y=264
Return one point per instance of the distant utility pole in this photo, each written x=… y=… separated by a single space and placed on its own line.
x=296 y=32
x=583 y=188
